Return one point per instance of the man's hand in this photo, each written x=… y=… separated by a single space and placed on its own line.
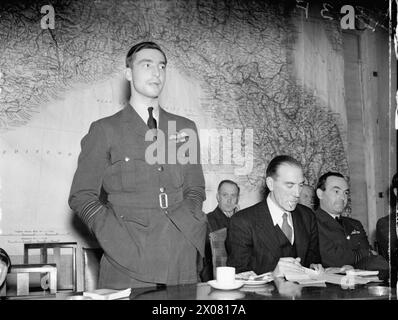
x=317 y=267
x=3 y=271
x=287 y=288
x=343 y=269
x=287 y=264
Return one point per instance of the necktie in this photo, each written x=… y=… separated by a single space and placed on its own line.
x=286 y=228
x=151 y=120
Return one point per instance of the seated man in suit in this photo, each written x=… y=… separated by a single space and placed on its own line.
x=227 y=198
x=4 y=265
x=276 y=234
x=342 y=240
x=386 y=232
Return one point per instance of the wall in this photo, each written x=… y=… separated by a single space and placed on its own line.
x=232 y=65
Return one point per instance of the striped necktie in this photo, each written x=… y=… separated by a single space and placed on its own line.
x=286 y=228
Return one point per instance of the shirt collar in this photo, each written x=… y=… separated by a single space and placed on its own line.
x=228 y=214
x=331 y=214
x=276 y=212
x=142 y=111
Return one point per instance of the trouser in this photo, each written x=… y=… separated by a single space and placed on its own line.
x=112 y=278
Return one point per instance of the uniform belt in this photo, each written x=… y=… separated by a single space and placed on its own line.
x=143 y=200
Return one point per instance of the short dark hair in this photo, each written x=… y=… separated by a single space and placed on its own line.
x=273 y=166
x=322 y=179
x=230 y=182
x=140 y=46
x=277 y=162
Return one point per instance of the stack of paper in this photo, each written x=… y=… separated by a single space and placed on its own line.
x=352 y=277
x=307 y=277
x=107 y=294
x=359 y=272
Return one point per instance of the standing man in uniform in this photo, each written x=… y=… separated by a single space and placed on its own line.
x=152 y=229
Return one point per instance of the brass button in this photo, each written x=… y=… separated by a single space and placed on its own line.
x=162 y=189
x=127 y=159
x=122 y=217
x=160 y=169
x=166 y=212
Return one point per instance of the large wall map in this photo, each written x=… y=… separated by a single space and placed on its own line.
x=230 y=67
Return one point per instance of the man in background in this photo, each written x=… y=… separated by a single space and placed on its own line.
x=227 y=198
x=307 y=196
x=386 y=233
x=5 y=263
x=277 y=234
x=342 y=240
x=152 y=229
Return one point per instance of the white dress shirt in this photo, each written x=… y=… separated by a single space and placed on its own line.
x=277 y=213
x=334 y=216
x=144 y=114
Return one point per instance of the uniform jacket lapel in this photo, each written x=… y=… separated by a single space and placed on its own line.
x=132 y=122
x=326 y=219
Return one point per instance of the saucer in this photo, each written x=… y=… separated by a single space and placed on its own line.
x=256 y=283
x=231 y=286
x=226 y=295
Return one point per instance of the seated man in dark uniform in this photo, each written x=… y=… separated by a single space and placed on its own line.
x=4 y=265
x=342 y=240
x=386 y=232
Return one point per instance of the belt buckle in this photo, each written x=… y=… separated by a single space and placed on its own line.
x=163 y=200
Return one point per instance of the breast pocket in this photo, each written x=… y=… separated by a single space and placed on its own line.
x=128 y=173
x=136 y=173
x=121 y=174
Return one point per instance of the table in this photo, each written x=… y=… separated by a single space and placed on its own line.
x=202 y=291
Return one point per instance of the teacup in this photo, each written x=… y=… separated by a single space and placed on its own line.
x=225 y=275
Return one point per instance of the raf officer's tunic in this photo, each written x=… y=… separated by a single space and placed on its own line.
x=152 y=227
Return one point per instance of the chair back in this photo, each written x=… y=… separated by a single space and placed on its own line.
x=66 y=267
x=218 y=251
x=91 y=264
x=20 y=276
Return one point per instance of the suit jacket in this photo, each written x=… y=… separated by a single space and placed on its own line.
x=251 y=241
x=139 y=237
x=345 y=244
x=386 y=234
x=217 y=219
